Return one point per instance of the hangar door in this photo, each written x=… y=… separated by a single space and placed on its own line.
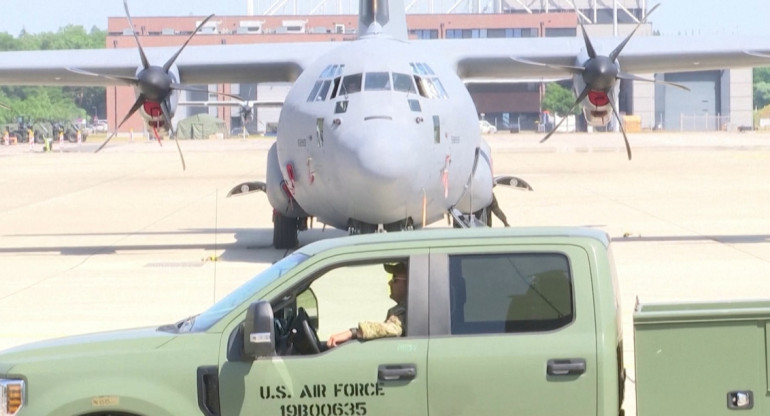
x=694 y=110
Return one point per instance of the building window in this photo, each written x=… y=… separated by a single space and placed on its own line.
x=424 y=33
x=560 y=32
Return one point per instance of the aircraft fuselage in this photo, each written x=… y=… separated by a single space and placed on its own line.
x=379 y=131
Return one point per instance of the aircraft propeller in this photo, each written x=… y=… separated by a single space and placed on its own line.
x=600 y=73
x=246 y=113
x=155 y=85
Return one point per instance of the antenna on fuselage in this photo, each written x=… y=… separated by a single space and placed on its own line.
x=382 y=16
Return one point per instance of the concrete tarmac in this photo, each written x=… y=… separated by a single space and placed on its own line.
x=125 y=238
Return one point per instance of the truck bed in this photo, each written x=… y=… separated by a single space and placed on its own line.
x=702 y=358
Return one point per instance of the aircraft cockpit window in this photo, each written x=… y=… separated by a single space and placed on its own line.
x=336 y=88
x=320 y=90
x=341 y=107
x=403 y=82
x=430 y=87
x=440 y=87
x=351 y=84
x=314 y=91
x=420 y=68
x=414 y=105
x=327 y=72
x=377 y=81
x=332 y=71
x=426 y=88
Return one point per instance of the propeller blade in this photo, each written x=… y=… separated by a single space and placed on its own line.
x=589 y=47
x=171 y=61
x=179 y=149
x=580 y=98
x=134 y=108
x=622 y=130
x=166 y=111
x=757 y=54
x=123 y=80
x=632 y=77
x=567 y=68
x=113 y=134
x=145 y=62
x=615 y=53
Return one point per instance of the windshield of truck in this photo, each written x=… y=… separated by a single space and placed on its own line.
x=227 y=304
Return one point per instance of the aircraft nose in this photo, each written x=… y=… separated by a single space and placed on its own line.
x=384 y=150
x=380 y=167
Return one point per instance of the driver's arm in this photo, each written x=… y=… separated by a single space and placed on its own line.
x=392 y=327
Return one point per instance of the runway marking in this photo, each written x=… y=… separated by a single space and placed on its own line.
x=171 y=264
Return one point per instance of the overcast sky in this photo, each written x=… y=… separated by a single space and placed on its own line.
x=705 y=17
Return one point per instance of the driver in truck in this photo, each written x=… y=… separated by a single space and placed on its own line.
x=395 y=320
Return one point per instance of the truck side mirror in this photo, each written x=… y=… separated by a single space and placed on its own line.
x=259 y=331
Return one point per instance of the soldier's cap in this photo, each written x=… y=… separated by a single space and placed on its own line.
x=395 y=268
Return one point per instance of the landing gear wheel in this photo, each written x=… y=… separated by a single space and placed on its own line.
x=284 y=231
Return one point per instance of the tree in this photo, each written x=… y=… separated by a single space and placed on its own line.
x=53 y=103
x=761 y=87
x=558 y=100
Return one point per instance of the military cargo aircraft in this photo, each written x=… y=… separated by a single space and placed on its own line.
x=379 y=133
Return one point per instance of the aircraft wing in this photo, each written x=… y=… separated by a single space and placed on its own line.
x=197 y=64
x=482 y=60
x=475 y=60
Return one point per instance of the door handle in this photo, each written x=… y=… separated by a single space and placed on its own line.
x=566 y=367
x=395 y=372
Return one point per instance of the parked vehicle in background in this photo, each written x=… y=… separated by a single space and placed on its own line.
x=100 y=126
x=487 y=127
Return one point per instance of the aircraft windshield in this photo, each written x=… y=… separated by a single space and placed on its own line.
x=227 y=304
x=351 y=84
x=377 y=81
x=403 y=82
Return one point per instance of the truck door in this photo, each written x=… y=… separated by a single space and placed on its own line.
x=357 y=378
x=512 y=332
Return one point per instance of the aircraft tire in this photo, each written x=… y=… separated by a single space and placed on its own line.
x=284 y=232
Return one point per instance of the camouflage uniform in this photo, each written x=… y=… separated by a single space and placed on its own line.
x=394 y=325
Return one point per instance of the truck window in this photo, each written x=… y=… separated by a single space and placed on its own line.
x=510 y=293
x=339 y=299
x=240 y=296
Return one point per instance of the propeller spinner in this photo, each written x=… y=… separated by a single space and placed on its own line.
x=601 y=74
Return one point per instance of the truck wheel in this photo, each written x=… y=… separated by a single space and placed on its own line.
x=284 y=231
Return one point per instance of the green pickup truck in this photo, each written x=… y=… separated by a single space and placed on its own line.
x=498 y=321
